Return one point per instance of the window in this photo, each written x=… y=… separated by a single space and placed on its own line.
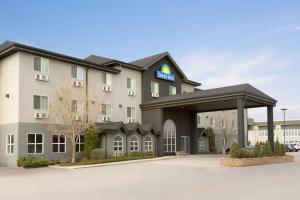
x=172 y=90
x=41 y=65
x=77 y=72
x=10 y=144
x=169 y=137
x=198 y=121
x=131 y=112
x=35 y=143
x=131 y=84
x=76 y=107
x=148 y=143
x=201 y=145
x=118 y=146
x=154 y=89
x=59 y=143
x=106 y=109
x=40 y=102
x=106 y=78
x=134 y=143
x=212 y=121
x=223 y=123
x=80 y=143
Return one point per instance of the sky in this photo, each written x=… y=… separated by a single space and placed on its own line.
x=217 y=43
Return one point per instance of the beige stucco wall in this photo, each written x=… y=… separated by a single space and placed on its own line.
x=9 y=84
x=59 y=80
x=118 y=97
x=187 y=88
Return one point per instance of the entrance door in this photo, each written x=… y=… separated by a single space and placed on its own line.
x=169 y=137
x=185 y=144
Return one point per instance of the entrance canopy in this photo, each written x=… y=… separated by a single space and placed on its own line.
x=225 y=98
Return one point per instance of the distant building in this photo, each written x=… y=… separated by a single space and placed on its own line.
x=258 y=131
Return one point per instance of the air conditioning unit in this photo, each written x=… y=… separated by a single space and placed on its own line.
x=106 y=118
x=40 y=115
x=78 y=118
x=156 y=95
x=78 y=83
x=107 y=88
x=131 y=120
x=131 y=93
x=41 y=77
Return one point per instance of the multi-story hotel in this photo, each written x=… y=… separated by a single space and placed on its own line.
x=145 y=105
x=286 y=132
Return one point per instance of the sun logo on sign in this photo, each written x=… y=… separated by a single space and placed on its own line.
x=165 y=69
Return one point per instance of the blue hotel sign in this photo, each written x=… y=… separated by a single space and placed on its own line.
x=165 y=73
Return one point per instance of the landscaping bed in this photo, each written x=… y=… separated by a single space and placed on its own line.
x=261 y=154
x=243 y=162
x=109 y=160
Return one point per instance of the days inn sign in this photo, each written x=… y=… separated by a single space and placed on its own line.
x=165 y=73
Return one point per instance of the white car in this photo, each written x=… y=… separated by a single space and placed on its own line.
x=297 y=147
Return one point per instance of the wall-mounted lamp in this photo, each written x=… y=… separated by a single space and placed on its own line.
x=7 y=95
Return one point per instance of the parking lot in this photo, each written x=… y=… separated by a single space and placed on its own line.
x=189 y=177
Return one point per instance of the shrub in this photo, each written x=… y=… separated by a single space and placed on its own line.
x=246 y=153
x=32 y=162
x=234 y=150
x=257 y=150
x=267 y=150
x=91 y=141
x=282 y=150
x=136 y=154
x=277 y=148
x=149 y=153
x=97 y=154
x=211 y=140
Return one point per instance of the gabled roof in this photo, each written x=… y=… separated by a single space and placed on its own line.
x=110 y=62
x=201 y=132
x=145 y=63
x=148 y=128
x=7 y=48
x=111 y=127
x=134 y=127
x=246 y=90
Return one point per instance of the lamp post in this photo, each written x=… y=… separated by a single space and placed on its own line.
x=283 y=110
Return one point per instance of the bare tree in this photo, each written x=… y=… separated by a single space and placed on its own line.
x=226 y=128
x=68 y=115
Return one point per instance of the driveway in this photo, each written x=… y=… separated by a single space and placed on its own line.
x=190 y=177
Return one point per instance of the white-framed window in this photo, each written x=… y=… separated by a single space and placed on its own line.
x=40 y=102
x=134 y=143
x=80 y=143
x=10 y=141
x=77 y=72
x=106 y=110
x=201 y=145
x=131 y=84
x=59 y=143
x=154 y=89
x=131 y=114
x=35 y=143
x=77 y=106
x=41 y=65
x=106 y=78
x=223 y=123
x=212 y=121
x=118 y=146
x=148 y=144
x=172 y=90
x=198 y=121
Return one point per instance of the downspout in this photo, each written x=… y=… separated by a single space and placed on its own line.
x=87 y=93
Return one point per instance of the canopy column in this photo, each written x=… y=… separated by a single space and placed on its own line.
x=241 y=122
x=270 y=127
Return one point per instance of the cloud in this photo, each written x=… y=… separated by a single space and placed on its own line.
x=268 y=70
x=216 y=69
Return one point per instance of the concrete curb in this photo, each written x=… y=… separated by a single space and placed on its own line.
x=114 y=163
